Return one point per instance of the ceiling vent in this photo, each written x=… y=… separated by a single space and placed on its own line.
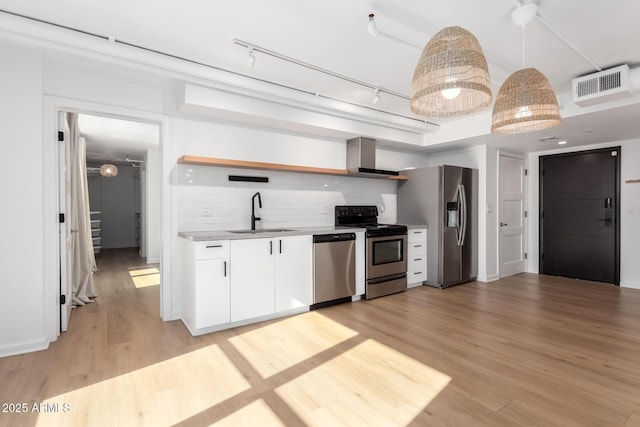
x=603 y=86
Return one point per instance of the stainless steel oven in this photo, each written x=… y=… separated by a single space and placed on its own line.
x=386 y=264
x=386 y=256
x=386 y=250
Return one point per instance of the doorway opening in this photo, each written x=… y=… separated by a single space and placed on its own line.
x=124 y=205
x=580 y=215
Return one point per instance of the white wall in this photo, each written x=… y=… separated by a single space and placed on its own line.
x=629 y=212
x=153 y=230
x=22 y=311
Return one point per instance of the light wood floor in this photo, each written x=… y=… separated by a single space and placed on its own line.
x=529 y=350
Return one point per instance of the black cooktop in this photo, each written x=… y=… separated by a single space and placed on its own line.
x=366 y=216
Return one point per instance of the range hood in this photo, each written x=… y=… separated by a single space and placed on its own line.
x=361 y=159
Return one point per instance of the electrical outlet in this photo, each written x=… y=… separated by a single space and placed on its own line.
x=206 y=210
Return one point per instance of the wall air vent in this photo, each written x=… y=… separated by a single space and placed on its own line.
x=603 y=86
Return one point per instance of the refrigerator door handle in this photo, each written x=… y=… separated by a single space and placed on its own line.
x=464 y=214
x=460 y=216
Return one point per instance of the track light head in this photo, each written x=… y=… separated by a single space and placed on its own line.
x=371 y=26
x=251 y=59
x=376 y=96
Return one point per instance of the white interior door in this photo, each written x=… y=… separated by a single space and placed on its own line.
x=512 y=216
x=64 y=199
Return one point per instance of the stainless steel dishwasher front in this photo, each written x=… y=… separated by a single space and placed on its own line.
x=334 y=268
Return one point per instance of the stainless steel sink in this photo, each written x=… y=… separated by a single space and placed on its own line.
x=264 y=230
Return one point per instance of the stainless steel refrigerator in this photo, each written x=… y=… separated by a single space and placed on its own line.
x=446 y=199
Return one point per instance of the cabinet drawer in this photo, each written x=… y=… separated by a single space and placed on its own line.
x=417 y=262
x=417 y=248
x=213 y=249
x=416 y=276
x=417 y=235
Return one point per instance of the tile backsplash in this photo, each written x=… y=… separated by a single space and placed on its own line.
x=207 y=200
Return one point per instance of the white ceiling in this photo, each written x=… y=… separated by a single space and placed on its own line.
x=332 y=34
x=114 y=140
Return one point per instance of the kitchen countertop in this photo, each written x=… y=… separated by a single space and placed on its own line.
x=202 y=236
x=414 y=226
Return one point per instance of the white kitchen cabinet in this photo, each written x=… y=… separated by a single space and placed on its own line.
x=417 y=256
x=212 y=292
x=270 y=275
x=205 y=284
x=293 y=272
x=252 y=278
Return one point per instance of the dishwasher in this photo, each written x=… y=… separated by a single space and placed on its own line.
x=334 y=268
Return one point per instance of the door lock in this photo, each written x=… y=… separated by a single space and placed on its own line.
x=503 y=224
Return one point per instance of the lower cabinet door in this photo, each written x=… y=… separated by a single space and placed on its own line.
x=294 y=272
x=212 y=305
x=252 y=278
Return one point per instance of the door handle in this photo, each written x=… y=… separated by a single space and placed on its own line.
x=503 y=224
x=225 y=269
x=605 y=219
x=280 y=245
x=271 y=247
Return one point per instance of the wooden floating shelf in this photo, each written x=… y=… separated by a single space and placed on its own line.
x=633 y=181
x=212 y=161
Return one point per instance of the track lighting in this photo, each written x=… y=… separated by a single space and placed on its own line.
x=376 y=97
x=251 y=59
x=371 y=26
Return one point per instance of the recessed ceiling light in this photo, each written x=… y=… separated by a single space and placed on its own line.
x=562 y=142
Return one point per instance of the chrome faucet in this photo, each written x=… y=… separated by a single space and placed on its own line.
x=253 y=212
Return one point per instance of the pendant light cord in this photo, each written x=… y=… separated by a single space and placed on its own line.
x=523 y=47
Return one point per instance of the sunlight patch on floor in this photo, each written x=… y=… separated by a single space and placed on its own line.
x=257 y=413
x=369 y=385
x=161 y=394
x=280 y=345
x=144 y=277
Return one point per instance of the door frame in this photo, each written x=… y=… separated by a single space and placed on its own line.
x=525 y=203
x=617 y=148
x=51 y=247
x=65 y=238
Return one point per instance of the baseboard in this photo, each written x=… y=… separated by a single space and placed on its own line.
x=25 y=347
x=176 y=315
x=153 y=260
x=490 y=278
x=632 y=285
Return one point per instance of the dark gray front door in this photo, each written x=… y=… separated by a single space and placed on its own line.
x=580 y=215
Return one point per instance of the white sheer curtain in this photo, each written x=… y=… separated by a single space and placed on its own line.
x=83 y=259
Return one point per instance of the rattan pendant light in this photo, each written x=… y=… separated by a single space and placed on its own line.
x=525 y=102
x=452 y=77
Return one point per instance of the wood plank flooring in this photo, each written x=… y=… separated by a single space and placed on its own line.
x=524 y=351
